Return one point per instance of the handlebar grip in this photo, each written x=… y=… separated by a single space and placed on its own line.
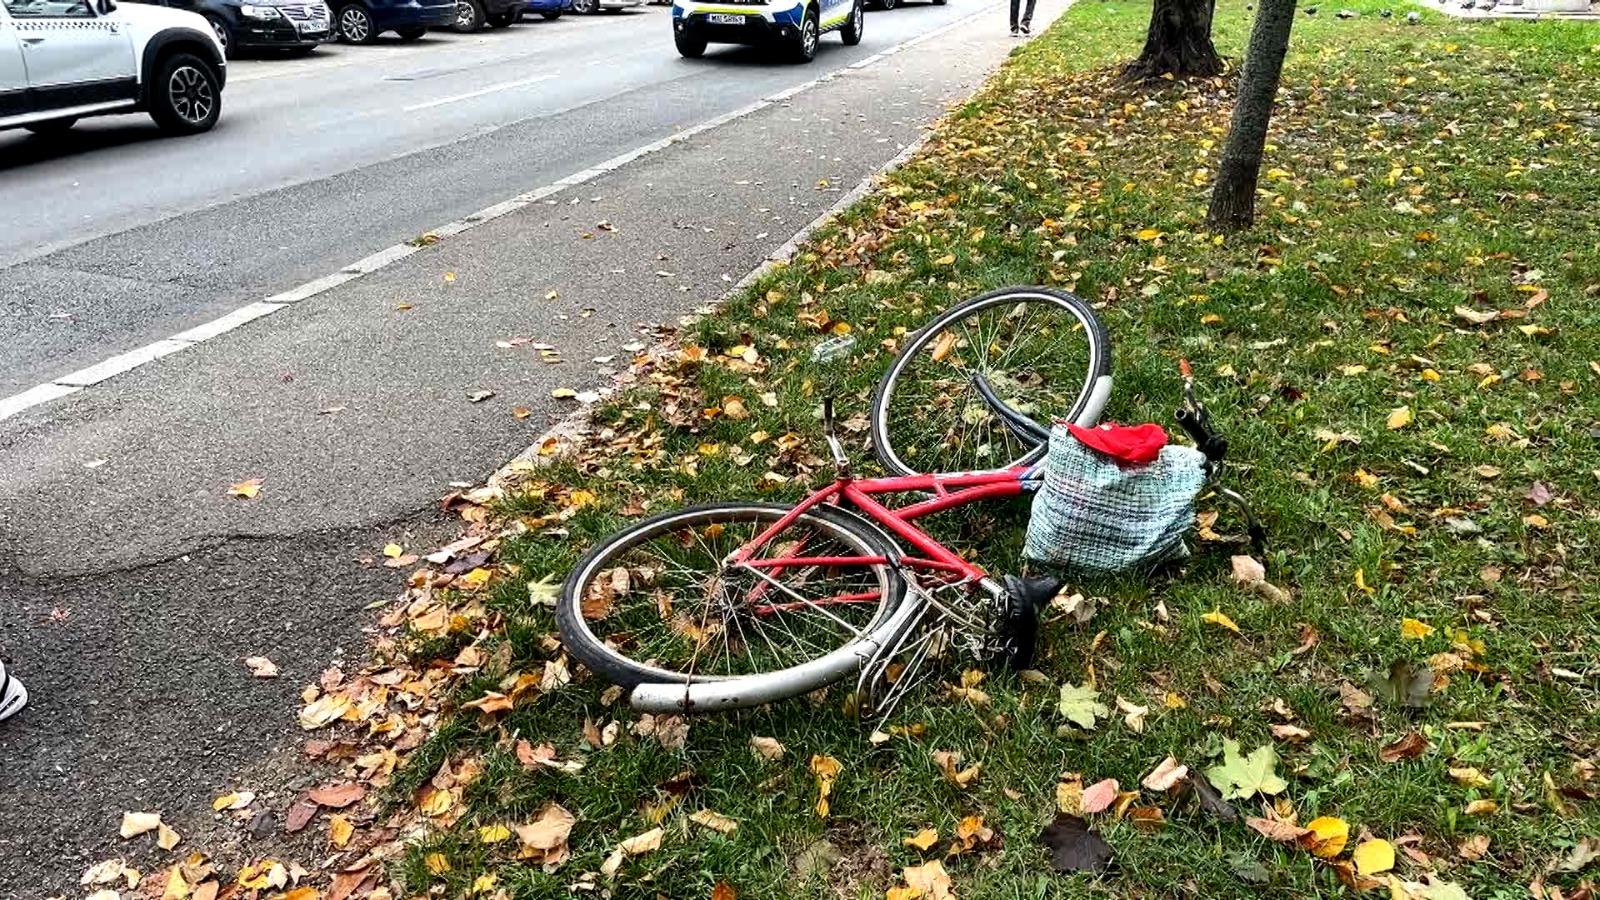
x=1213 y=445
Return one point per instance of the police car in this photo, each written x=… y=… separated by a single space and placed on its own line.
x=796 y=26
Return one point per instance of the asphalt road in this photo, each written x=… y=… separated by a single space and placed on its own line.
x=127 y=237
x=131 y=585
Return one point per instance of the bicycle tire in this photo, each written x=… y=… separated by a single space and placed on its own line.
x=1085 y=409
x=608 y=662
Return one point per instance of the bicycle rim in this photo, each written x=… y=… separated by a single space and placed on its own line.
x=659 y=603
x=1039 y=352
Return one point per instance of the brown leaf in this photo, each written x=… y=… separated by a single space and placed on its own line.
x=1275 y=830
x=338 y=796
x=1411 y=746
x=1073 y=847
x=300 y=815
x=1166 y=775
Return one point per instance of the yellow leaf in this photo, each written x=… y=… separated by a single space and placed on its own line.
x=945 y=260
x=1361 y=581
x=340 y=830
x=166 y=838
x=923 y=839
x=826 y=768
x=1372 y=857
x=248 y=489
x=483 y=884
x=715 y=821
x=1399 y=417
x=237 y=800
x=1415 y=630
x=1148 y=234
x=1481 y=807
x=393 y=550
x=1217 y=617
x=437 y=863
x=1470 y=777
x=493 y=834
x=1327 y=836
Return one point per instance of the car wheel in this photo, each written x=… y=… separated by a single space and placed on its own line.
x=854 y=26
x=469 y=17
x=804 y=49
x=224 y=36
x=54 y=126
x=689 y=47
x=185 y=97
x=585 y=7
x=552 y=15
x=505 y=19
x=355 y=25
x=411 y=34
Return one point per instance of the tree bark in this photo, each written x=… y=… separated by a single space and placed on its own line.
x=1178 y=42
x=1233 y=198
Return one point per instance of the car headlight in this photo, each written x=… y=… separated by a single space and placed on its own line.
x=250 y=11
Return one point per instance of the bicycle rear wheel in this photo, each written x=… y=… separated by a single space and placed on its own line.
x=661 y=602
x=977 y=387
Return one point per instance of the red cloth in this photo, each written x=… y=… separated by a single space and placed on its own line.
x=1127 y=443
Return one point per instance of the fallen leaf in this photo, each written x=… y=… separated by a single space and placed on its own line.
x=949 y=765
x=715 y=821
x=1373 y=857
x=1414 y=629
x=826 y=769
x=1326 y=836
x=338 y=796
x=166 y=838
x=1073 y=847
x=1099 y=796
x=1409 y=746
x=1081 y=706
x=638 y=845
x=1276 y=830
x=236 y=800
x=1470 y=777
x=340 y=830
x=1399 y=417
x=1481 y=808
x=1239 y=777
x=1293 y=734
x=1219 y=618
x=544 y=840
x=248 y=489
x=1165 y=776
x=922 y=840
x=261 y=667
x=769 y=749
x=137 y=823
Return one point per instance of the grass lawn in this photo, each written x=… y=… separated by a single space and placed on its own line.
x=1419 y=178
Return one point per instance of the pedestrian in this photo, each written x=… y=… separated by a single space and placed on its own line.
x=13 y=696
x=1027 y=18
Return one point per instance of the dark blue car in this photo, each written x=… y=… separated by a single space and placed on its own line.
x=361 y=21
x=550 y=9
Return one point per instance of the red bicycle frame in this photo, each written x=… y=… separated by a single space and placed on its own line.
x=949 y=491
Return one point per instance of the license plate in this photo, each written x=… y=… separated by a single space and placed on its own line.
x=312 y=27
x=725 y=19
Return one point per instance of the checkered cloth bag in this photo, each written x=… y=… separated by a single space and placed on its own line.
x=1096 y=513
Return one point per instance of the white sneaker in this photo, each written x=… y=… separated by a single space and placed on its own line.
x=13 y=696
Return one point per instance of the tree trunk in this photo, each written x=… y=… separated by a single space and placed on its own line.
x=1178 y=42
x=1233 y=198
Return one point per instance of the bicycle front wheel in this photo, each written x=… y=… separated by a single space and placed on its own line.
x=977 y=388
x=666 y=601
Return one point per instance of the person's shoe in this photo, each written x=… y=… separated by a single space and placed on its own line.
x=1015 y=32
x=13 y=696
x=1026 y=30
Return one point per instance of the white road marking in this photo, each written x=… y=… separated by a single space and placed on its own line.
x=72 y=383
x=491 y=89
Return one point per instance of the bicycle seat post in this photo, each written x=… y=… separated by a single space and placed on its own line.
x=829 y=355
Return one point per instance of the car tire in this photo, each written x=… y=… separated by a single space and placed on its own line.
x=224 y=35
x=186 y=95
x=855 y=26
x=54 y=126
x=407 y=35
x=804 y=48
x=355 y=24
x=689 y=47
x=469 y=17
x=585 y=7
x=504 y=19
x=551 y=15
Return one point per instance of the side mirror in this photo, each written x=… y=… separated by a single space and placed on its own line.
x=105 y=7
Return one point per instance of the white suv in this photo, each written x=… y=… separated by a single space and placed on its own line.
x=63 y=60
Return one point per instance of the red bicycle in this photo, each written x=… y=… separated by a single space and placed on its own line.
x=731 y=605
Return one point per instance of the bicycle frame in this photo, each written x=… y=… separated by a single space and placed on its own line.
x=949 y=492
